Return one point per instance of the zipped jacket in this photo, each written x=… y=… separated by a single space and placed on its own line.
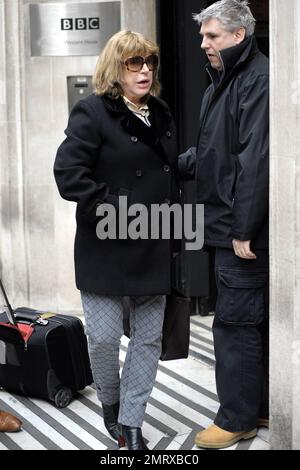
x=231 y=160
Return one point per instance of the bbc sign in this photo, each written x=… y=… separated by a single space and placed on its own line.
x=72 y=29
x=69 y=24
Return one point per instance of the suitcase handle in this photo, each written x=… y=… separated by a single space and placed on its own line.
x=31 y=317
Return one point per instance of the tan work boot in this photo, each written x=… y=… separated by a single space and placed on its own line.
x=9 y=422
x=217 y=438
x=263 y=423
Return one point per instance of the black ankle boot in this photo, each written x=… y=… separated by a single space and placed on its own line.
x=110 y=418
x=134 y=438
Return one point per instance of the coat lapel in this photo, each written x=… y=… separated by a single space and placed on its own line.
x=160 y=119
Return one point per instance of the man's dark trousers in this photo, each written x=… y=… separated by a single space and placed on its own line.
x=241 y=339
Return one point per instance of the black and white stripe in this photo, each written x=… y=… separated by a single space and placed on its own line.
x=183 y=402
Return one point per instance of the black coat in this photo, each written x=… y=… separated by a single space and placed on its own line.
x=231 y=160
x=110 y=152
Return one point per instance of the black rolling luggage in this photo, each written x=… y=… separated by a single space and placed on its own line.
x=42 y=354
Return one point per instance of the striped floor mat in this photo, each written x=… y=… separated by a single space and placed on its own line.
x=183 y=402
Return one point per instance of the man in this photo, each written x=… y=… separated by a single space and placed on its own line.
x=9 y=423
x=231 y=166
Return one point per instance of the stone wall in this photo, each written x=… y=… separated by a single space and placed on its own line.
x=285 y=224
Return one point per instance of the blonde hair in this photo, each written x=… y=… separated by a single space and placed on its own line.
x=108 y=72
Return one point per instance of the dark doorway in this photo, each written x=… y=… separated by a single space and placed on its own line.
x=184 y=80
x=183 y=74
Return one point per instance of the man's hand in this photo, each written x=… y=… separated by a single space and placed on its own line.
x=242 y=249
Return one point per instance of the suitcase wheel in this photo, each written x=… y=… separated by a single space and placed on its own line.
x=63 y=397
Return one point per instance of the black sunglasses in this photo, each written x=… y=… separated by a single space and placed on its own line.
x=135 y=64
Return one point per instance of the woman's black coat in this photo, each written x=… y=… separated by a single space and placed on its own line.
x=110 y=152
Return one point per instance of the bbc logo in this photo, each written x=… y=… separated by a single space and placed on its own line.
x=69 y=24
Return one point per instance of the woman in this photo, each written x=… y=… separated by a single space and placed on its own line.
x=121 y=142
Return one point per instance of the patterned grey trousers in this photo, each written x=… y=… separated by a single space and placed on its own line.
x=104 y=327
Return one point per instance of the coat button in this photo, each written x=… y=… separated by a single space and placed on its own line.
x=134 y=139
x=169 y=134
x=139 y=173
x=167 y=168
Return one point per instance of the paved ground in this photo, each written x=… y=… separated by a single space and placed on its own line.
x=183 y=402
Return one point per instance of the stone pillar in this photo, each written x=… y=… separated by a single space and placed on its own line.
x=14 y=265
x=285 y=224
x=140 y=16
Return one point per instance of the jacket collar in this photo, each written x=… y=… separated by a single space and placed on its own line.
x=114 y=105
x=160 y=119
x=233 y=58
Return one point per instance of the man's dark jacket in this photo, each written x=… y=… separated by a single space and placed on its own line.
x=231 y=160
x=109 y=152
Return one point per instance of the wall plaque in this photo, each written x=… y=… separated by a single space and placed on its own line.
x=72 y=29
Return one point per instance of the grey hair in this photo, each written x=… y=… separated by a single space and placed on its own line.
x=232 y=14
